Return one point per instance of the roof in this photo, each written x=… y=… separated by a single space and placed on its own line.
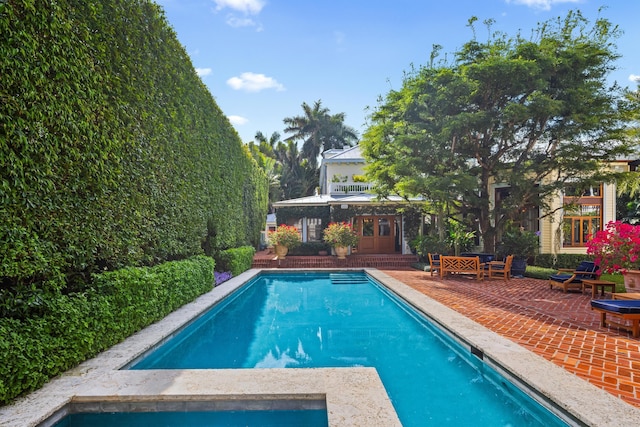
x=346 y=154
x=328 y=199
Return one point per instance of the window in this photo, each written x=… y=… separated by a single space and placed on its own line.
x=314 y=230
x=367 y=227
x=582 y=215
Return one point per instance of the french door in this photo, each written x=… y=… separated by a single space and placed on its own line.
x=377 y=234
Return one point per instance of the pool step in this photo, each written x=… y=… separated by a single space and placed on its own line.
x=347 y=278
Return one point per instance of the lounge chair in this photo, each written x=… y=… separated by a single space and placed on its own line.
x=573 y=278
x=499 y=269
x=434 y=263
x=622 y=309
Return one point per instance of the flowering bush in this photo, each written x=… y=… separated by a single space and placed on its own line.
x=341 y=234
x=285 y=235
x=616 y=248
x=221 y=277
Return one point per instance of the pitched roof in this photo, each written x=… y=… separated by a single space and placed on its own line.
x=328 y=199
x=346 y=154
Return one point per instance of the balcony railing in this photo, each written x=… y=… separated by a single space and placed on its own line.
x=350 y=187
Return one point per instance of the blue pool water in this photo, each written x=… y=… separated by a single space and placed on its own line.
x=308 y=418
x=304 y=320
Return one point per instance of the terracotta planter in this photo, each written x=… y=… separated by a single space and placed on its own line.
x=341 y=251
x=281 y=251
x=632 y=280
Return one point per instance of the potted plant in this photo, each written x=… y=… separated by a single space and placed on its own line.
x=522 y=245
x=616 y=249
x=284 y=238
x=340 y=236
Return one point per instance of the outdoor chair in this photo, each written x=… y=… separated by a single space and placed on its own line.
x=573 y=278
x=500 y=269
x=434 y=263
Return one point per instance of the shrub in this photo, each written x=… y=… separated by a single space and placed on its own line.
x=616 y=248
x=309 y=249
x=556 y=261
x=236 y=260
x=423 y=245
x=222 y=277
x=285 y=235
x=78 y=326
x=340 y=234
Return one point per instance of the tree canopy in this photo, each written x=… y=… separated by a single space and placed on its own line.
x=527 y=114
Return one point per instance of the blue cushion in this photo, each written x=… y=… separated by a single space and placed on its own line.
x=618 y=306
x=562 y=277
x=589 y=266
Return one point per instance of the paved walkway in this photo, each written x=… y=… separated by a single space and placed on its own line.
x=557 y=326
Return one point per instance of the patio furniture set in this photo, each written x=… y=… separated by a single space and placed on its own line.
x=623 y=306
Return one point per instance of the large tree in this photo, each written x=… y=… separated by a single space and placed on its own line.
x=319 y=130
x=529 y=114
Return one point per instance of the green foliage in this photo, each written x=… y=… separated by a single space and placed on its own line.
x=340 y=234
x=235 y=260
x=460 y=238
x=113 y=151
x=285 y=235
x=556 y=261
x=520 y=243
x=423 y=245
x=78 y=326
x=293 y=213
x=507 y=110
x=309 y=249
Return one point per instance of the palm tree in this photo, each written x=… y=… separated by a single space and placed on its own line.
x=264 y=153
x=319 y=131
x=298 y=177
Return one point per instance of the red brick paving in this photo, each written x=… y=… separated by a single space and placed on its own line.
x=557 y=326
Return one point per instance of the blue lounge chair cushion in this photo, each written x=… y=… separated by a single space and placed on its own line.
x=586 y=270
x=561 y=277
x=618 y=306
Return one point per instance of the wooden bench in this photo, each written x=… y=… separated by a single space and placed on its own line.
x=461 y=265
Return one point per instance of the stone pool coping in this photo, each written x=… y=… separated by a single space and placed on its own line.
x=351 y=396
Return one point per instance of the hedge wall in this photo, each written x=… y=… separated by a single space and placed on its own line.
x=113 y=153
x=76 y=327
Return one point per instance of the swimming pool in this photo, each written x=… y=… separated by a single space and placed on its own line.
x=323 y=319
x=307 y=418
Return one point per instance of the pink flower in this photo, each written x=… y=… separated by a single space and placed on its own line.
x=616 y=248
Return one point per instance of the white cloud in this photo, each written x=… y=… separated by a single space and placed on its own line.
x=542 y=4
x=634 y=78
x=251 y=7
x=236 y=22
x=251 y=82
x=238 y=120
x=203 y=71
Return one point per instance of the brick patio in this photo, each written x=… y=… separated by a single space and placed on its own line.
x=557 y=326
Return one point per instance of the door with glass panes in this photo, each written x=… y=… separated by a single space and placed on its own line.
x=377 y=234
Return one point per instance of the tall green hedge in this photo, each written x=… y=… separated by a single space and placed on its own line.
x=112 y=151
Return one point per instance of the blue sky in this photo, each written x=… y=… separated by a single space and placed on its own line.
x=261 y=59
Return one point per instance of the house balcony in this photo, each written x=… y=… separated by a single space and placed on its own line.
x=336 y=188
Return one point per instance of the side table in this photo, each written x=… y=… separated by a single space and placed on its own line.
x=595 y=284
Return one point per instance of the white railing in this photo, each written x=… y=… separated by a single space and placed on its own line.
x=350 y=187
